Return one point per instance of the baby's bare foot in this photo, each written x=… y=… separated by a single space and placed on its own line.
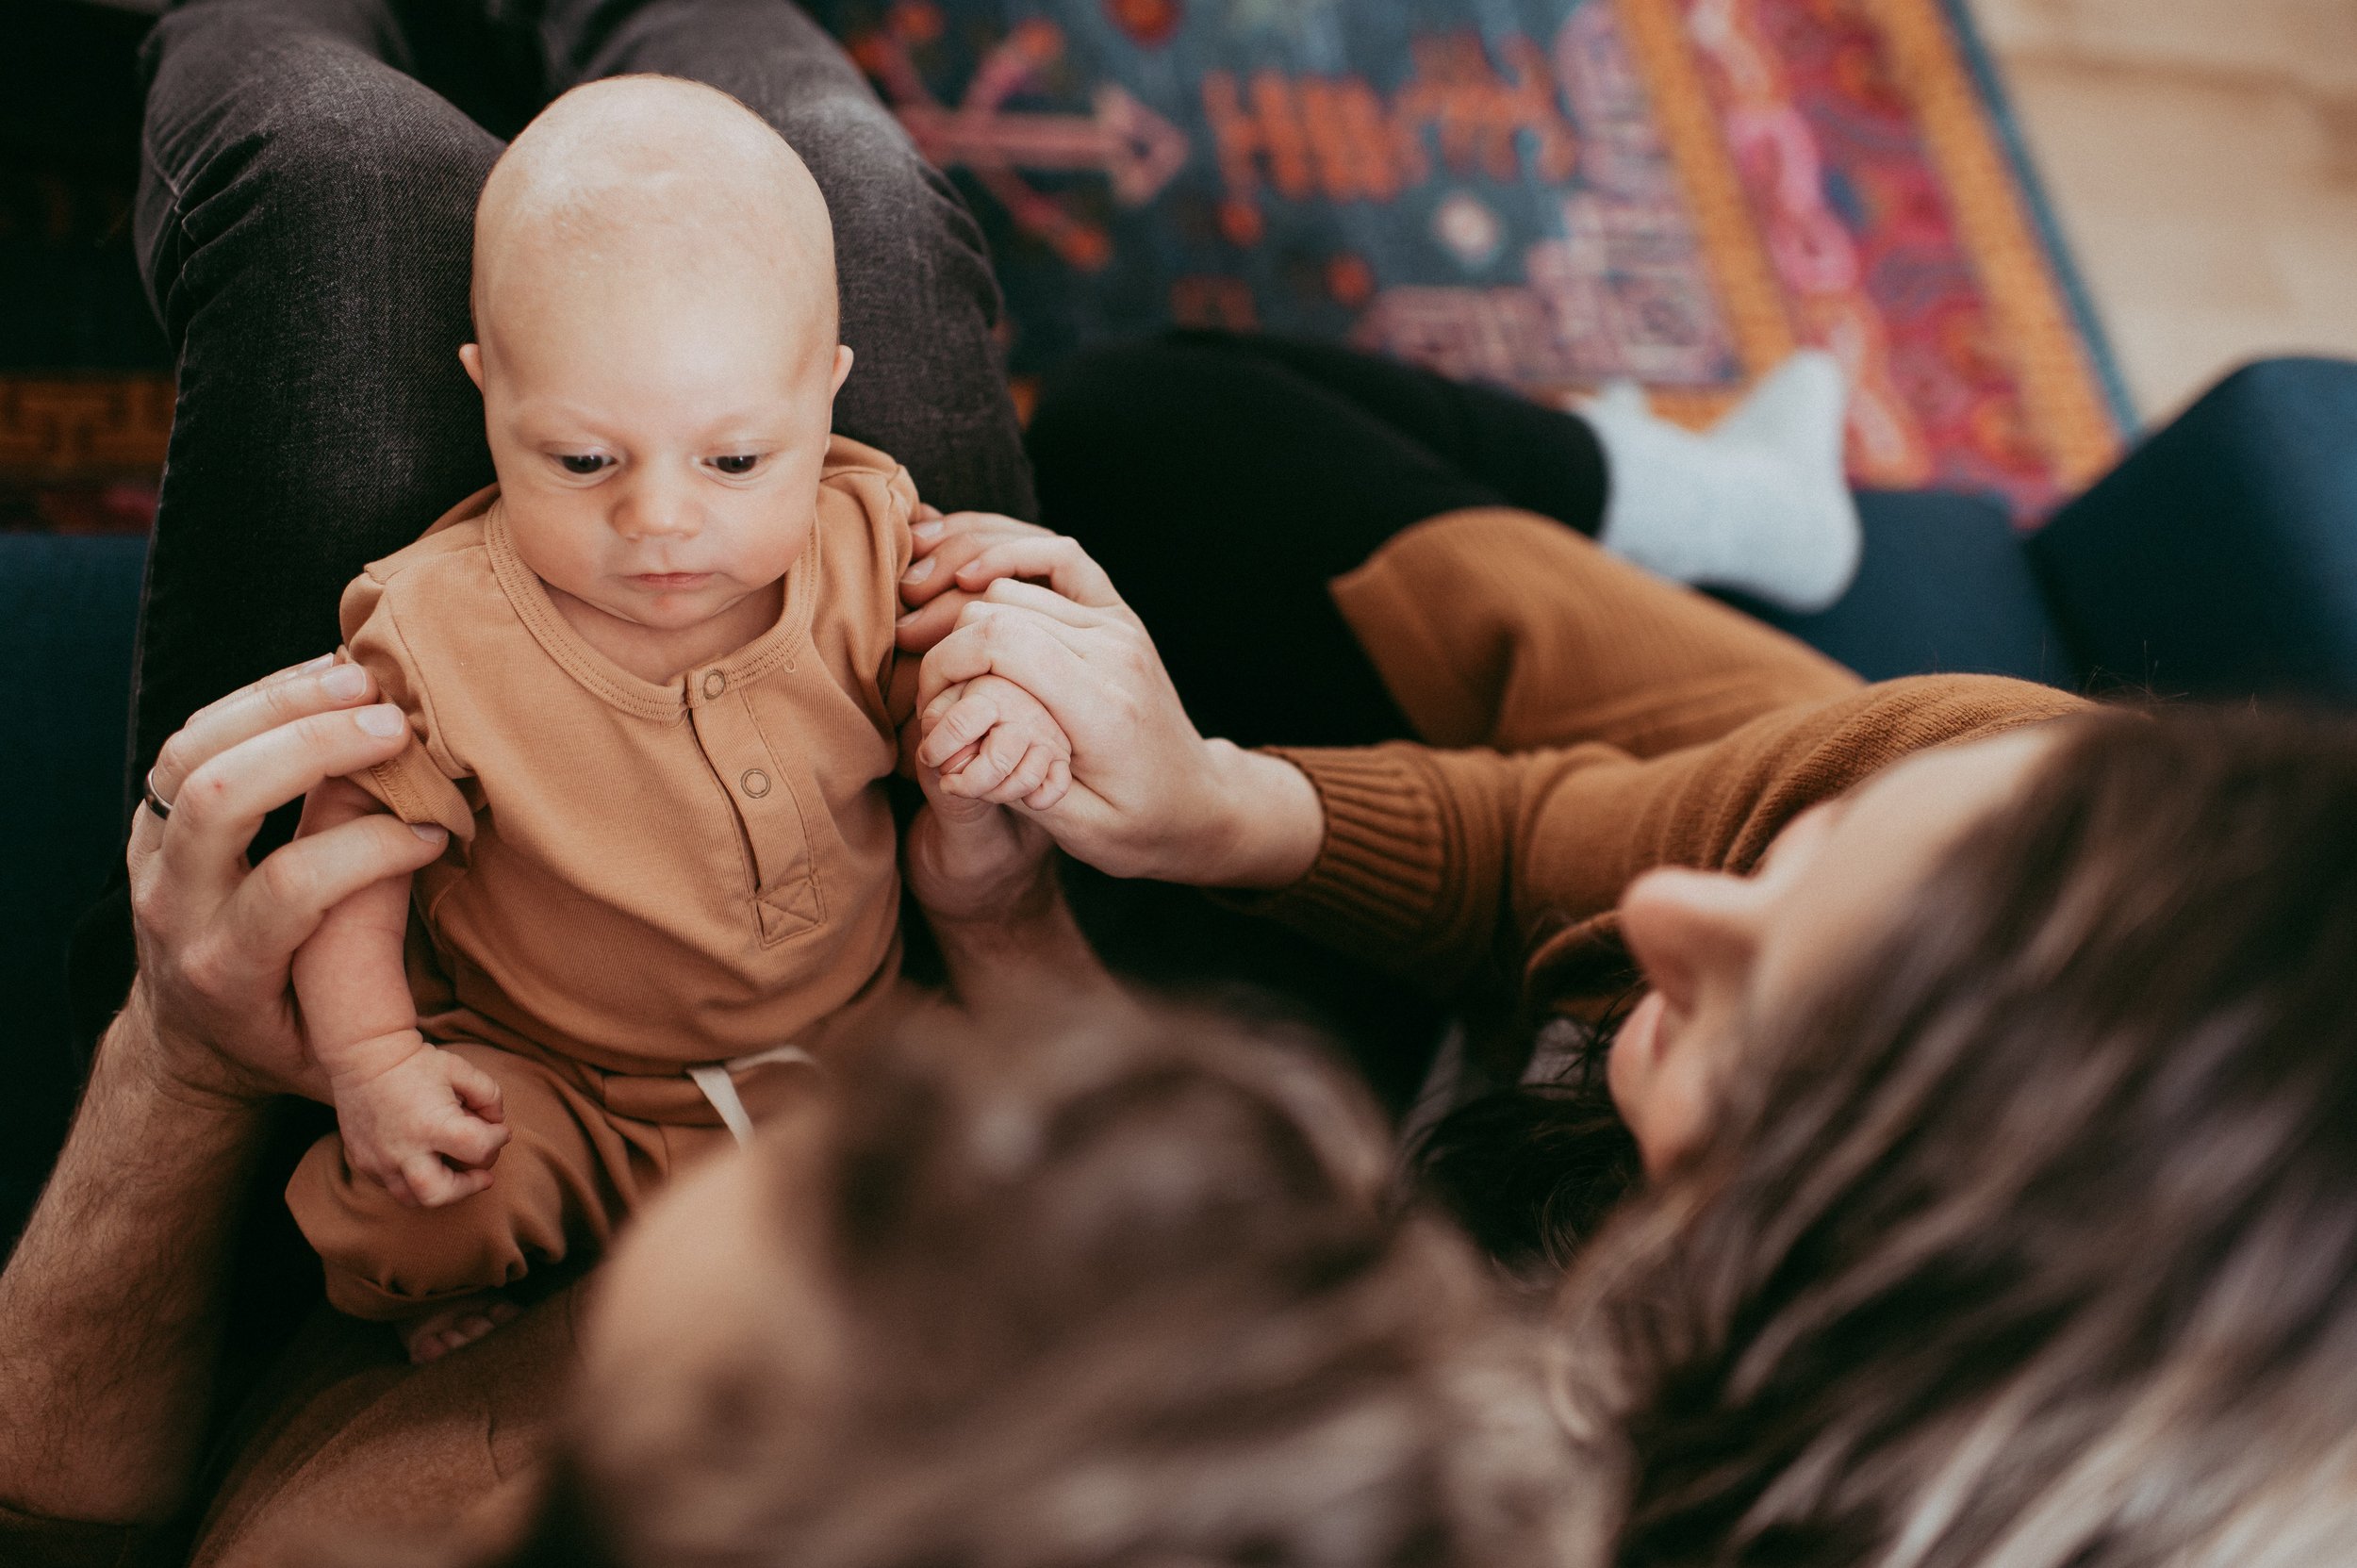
x=432 y=1335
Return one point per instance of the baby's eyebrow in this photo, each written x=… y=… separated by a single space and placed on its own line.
x=747 y=428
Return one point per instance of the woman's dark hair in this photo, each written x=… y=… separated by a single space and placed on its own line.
x=1532 y=1172
x=2032 y=1240
x=1125 y=1294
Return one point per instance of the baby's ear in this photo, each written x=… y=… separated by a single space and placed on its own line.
x=842 y=366
x=471 y=355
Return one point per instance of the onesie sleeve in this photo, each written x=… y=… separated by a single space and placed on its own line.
x=416 y=785
x=894 y=549
x=865 y=502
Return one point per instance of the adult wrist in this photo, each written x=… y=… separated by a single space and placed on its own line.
x=173 y=1063
x=1010 y=907
x=1266 y=827
x=1031 y=944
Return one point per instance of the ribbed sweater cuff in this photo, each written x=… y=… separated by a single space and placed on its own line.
x=1382 y=875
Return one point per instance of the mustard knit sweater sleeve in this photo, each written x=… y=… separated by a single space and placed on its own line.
x=1452 y=866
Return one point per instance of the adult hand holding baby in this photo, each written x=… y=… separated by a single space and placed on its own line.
x=988 y=740
x=1149 y=795
x=943 y=577
x=217 y=936
x=111 y=1305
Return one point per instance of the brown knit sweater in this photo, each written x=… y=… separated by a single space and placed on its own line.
x=1605 y=723
x=1482 y=874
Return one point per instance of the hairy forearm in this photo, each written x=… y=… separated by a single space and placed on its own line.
x=110 y=1309
x=1029 y=951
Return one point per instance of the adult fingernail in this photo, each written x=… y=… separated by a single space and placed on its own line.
x=383 y=721
x=918 y=572
x=345 y=680
x=929 y=530
x=430 y=833
x=319 y=663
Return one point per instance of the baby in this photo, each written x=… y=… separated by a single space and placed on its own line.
x=654 y=699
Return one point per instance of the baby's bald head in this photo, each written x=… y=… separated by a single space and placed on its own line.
x=652 y=182
x=656 y=345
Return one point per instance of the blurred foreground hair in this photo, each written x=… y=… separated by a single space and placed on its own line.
x=1127 y=1294
x=2032 y=1242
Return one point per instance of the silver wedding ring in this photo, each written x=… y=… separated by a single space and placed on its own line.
x=157 y=804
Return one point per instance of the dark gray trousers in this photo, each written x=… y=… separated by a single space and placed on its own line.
x=306 y=219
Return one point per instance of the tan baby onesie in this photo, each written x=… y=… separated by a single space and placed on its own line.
x=642 y=879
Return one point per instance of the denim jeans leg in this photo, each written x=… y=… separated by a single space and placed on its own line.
x=304 y=221
x=920 y=305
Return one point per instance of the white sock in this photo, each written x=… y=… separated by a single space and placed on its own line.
x=1759 y=505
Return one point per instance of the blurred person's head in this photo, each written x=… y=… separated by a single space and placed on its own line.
x=1127 y=1294
x=2027 y=1236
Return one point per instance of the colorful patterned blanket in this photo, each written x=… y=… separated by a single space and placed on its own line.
x=1543 y=194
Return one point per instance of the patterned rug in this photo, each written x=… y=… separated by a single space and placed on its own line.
x=1547 y=194
x=1543 y=194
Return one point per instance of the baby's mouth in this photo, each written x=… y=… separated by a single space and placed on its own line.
x=670 y=581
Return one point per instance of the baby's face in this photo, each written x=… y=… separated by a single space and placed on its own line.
x=658 y=433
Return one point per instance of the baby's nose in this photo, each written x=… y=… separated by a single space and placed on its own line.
x=649 y=513
x=653 y=524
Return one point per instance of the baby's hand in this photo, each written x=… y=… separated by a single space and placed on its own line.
x=425 y=1126
x=993 y=741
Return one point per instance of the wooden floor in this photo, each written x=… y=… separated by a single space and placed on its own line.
x=2201 y=156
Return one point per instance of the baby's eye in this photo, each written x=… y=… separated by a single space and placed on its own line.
x=585 y=462
x=738 y=463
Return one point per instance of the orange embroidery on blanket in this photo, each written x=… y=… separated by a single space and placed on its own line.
x=1335 y=137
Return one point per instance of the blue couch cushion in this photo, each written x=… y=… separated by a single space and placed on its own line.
x=2220 y=559
x=67 y=609
x=1943 y=588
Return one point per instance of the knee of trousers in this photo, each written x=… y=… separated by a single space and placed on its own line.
x=289 y=153
x=1113 y=417
x=1138 y=386
x=896 y=219
x=384 y=1260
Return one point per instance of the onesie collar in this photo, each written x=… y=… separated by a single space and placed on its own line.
x=778 y=647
